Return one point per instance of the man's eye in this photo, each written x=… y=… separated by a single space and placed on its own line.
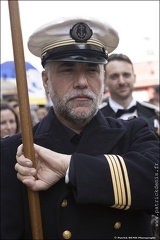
x=113 y=77
x=67 y=70
x=92 y=69
x=127 y=75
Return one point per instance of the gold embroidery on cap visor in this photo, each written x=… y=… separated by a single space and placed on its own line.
x=68 y=50
x=69 y=41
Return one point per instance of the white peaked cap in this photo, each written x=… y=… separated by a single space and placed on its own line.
x=74 y=39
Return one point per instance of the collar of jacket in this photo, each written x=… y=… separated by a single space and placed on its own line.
x=99 y=136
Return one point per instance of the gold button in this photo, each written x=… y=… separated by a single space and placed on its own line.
x=67 y=234
x=117 y=225
x=64 y=203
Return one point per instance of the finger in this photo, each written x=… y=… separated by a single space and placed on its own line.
x=29 y=182
x=20 y=150
x=23 y=178
x=24 y=161
x=25 y=171
x=35 y=185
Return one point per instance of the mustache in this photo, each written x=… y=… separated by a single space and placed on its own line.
x=80 y=93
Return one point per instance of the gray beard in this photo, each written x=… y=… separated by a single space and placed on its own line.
x=67 y=111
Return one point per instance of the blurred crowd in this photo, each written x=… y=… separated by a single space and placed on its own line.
x=10 y=116
x=155 y=99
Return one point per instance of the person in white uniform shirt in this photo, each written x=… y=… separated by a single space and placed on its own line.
x=120 y=80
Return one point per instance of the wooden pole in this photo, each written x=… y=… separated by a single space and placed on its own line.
x=25 y=117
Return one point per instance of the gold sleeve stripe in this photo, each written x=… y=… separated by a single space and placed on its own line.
x=122 y=187
x=120 y=181
x=118 y=201
x=113 y=179
x=127 y=182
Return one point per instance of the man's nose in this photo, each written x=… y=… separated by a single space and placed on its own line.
x=121 y=79
x=81 y=81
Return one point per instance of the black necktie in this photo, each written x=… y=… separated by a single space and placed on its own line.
x=120 y=112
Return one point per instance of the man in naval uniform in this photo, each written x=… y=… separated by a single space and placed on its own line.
x=95 y=175
x=120 y=80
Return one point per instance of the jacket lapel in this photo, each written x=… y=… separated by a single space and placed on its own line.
x=98 y=137
x=108 y=111
x=51 y=134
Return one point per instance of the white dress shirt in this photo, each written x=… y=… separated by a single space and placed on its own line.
x=115 y=106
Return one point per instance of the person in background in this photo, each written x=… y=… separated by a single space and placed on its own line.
x=13 y=102
x=41 y=112
x=95 y=175
x=34 y=118
x=120 y=80
x=155 y=99
x=9 y=122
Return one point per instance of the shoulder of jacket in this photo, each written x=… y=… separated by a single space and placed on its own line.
x=13 y=139
x=150 y=106
x=7 y=136
x=103 y=104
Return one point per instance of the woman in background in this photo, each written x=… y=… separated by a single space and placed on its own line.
x=9 y=122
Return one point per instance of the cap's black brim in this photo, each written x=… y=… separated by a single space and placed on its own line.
x=95 y=60
x=76 y=53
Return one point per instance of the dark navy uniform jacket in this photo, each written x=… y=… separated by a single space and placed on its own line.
x=143 y=111
x=111 y=192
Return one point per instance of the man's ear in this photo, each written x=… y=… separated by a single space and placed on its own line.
x=45 y=81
